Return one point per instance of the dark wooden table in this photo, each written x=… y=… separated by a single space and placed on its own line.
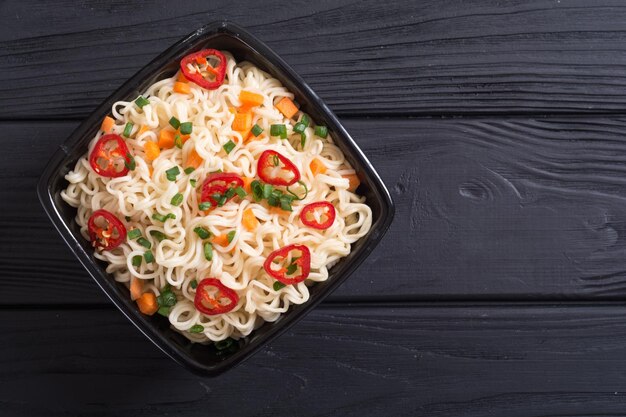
x=499 y=290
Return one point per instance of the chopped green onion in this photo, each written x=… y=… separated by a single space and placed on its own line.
x=177 y=199
x=172 y=173
x=305 y=120
x=272 y=201
x=189 y=170
x=202 y=232
x=158 y=235
x=256 y=130
x=163 y=218
x=279 y=130
x=285 y=203
x=267 y=190
x=299 y=127
x=222 y=201
x=164 y=311
x=137 y=260
x=229 y=193
x=148 y=256
x=229 y=146
x=321 y=131
x=130 y=164
x=128 y=129
x=168 y=299
x=193 y=182
x=186 y=128
x=216 y=196
x=306 y=191
x=302 y=139
x=223 y=344
x=194 y=284
x=240 y=192
x=291 y=269
x=141 y=101
x=144 y=242
x=178 y=142
x=231 y=235
x=257 y=190
x=278 y=286
x=208 y=251
x=133 y=234
x=196 y=328
x=205 y=205
x=174 y=122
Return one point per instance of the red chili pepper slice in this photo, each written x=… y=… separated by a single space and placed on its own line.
x=204 y=74
x=275 y=169
x=289 y=274
x=110 y=156
x=220 y=183
x=105 y=230
x=325 y=215
x=213 y=297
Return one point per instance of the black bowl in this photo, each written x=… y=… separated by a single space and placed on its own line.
x=207 y=359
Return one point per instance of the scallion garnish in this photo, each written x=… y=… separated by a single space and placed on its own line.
x=205 y=205
x=144 y=242
x=193 y=182
x=299 y=127
x=164 y=311
x=148 y=256
x=194 y=284
x=291 y=269
x=174 y=122
x=229 y=146
x=162 y=218
x=167 y=299
x=229 y=193
x=257 y=190
x=278 y=286
x=306 y=191
x=196 y=328
x=186 y=128
x=240 y=192
x=178 y=142
x=128 y=129
x=231 y=235
x=208 y=251
x=305 y=120
x=137 y=260
x=321 y=131
x=256 y=130
x=302 y=140
x=279 y=130
x=223 y=344
x=133 y=234
x=130 y=162
x=157 y=235
x=172 y=173
x=177 y=199
x=267 y=190
x=189 y=170
x=202 y=232
x=141 y=101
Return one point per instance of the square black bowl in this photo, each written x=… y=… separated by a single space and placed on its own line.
x=207 y=359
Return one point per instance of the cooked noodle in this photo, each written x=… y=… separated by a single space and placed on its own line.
x=179 y=259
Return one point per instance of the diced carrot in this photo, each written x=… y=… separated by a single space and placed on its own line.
x=143 y=129
x=354 y=182
x=242 y=122
x=317 y=167
x=182 y=88
x=287 y=107
x=193 y=160
x=148 y=303
x=166 y=139
x=221 y=240
x=250 y=99
x=136 y=288
x=107 y=124
x=249 y=220
x=181 y=78
x=278 y=210
x=246 y=184
x=152 y=150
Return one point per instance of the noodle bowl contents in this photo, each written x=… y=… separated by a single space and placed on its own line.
x=215 y=199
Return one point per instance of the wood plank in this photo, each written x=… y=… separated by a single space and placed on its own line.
x=517 y=208
x=513 y=360
x=60 y=59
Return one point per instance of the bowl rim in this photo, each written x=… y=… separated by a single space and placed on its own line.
x=157 y=337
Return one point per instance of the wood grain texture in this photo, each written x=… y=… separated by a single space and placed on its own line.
x=507 y=209
x=507 y=360
x=60 y=59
